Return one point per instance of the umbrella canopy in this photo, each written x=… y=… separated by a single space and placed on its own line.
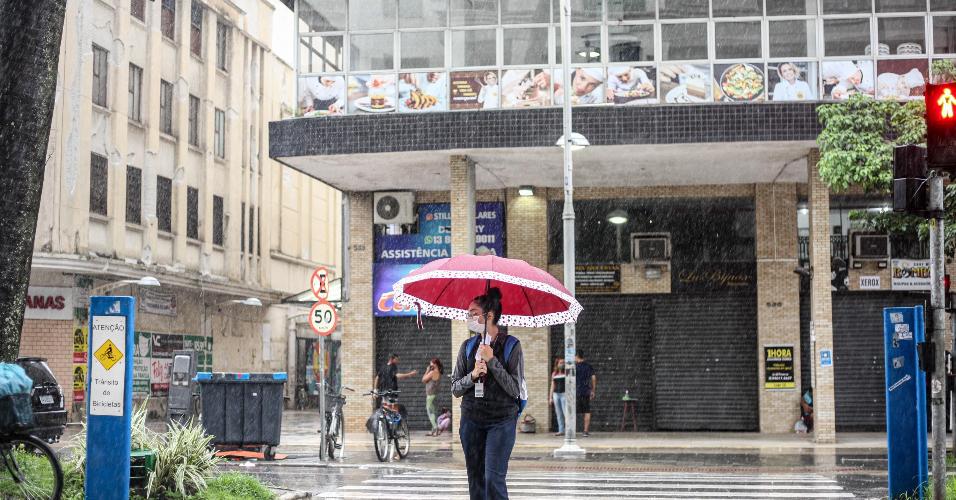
x=530 y=297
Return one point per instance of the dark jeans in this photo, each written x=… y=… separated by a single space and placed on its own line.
x=487 y=452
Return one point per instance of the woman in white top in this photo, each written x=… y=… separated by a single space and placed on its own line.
x=790 y=88
x=488 y=97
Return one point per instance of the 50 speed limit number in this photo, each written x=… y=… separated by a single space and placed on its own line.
x=324 y=318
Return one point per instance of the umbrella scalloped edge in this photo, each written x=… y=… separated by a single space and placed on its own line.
x=428 y=309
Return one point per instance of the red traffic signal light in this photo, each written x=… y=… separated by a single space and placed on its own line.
x=941 y=127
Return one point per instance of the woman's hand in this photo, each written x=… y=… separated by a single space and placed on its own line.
x=550 y=400
x=480 y=369
x=486 y=353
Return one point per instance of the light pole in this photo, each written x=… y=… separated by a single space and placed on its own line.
x=568 y=141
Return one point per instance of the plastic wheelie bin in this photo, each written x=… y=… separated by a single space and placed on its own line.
x=242 y=410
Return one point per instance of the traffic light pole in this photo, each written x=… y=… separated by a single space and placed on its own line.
x=938 y=308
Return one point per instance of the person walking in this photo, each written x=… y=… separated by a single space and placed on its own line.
x=388 y=377
x=490 y=388
x=432 y=381
x=587 y=385
x=556 y=398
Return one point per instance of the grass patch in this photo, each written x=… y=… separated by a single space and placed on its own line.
x=37 y=472
x=235 y=486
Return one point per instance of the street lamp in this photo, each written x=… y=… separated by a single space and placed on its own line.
x=144 y=281
x=618 y=218
x=569 y=142
x=249 y=301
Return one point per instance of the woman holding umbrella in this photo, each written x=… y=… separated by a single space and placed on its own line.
x=490 y=388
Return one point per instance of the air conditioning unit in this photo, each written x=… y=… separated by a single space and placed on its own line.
x=397 y=207
x=651 y=247
x=870 y=246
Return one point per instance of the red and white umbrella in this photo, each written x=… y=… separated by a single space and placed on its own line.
x=530 y=297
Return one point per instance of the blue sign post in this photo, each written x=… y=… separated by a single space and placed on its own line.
x=109 y=390
x=903 y=328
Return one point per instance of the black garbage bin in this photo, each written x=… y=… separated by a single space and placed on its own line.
x=243 y=410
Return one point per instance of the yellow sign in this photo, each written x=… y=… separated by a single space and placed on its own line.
x=108 y=354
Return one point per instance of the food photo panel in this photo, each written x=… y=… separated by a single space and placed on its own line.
x=901 y=79
x=630 y=85
x=587 y=86
x=322 y=96
x=372 y=93
x=685 y=83
x=474 y=90
x=792 y=81
x=422 y=92
x=841 y=79
x=525 y=88
x=739 y=82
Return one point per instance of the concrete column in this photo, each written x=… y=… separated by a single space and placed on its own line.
x=266 y=203
x=358 y=339
x=821 y=313
x=527 y=223
x=207 y=119
x=462 y=190
x=778 y=298
x=151 y=93
x=181 y=130
x=119 y=126
x=233 y=197
x=77 y=117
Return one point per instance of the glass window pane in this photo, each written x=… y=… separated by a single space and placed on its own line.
x=624 y=10
x=581 y=10
x=678 y=9
x=585 y=44
x=473 y=48
x=795 y=38
x=940 y=5
x=526 y=46
x=683 y=41
x=422 y=13
x=371 y=14
x=737 y=40
x=791 y=7
x=732 y=8
x=525 y=11
x=322 y=15
x=474 y=12
x=944 y=34
x=423 y=49
x=321 y=54
x=846 y=37
x=900 y=5
x=630 y=43
x=847 y=6
x=372 y=52
x=903 y=35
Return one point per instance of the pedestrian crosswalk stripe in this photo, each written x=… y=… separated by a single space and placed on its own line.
x=449 y=484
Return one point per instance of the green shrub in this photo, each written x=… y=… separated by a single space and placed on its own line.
x=235 y=486
x=184 y=461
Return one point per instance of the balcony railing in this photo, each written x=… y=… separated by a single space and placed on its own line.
x=902 y=247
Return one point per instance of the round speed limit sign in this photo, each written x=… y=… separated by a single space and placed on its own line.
x=324 y=318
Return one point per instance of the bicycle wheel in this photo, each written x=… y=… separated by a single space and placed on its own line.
x=403 y=440
x=32 y=469
x=336 y=440
x=382 y=440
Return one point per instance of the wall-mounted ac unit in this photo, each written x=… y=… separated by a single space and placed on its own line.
x=397 y=207
x=870 y=246
x=651 y=247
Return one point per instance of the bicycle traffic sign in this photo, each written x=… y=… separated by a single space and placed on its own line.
x=323 y=318
x=320 y=283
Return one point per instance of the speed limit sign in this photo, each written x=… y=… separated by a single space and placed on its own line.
x=324 y=318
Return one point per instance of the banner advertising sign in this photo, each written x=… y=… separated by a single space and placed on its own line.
x=156 y=302
x=778 y=367
x=49 y=303
x=384 y=276
x=910 y=275
x=597 y=278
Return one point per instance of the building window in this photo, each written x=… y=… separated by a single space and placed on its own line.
x=192 y=213
x=168 y=21
x=944 y=34
x=252 y=229
x=737 y=40
x=195 y=29
x=373 y=52
x=796 y=38
x=99 y=184
x=137 y=8
x=433 y=13
x=100 y=75
x=194 y=120
x=134 y=194
x=164 y=204
x=524 y=46
x=375 y=14
x=222 y=46
x=242 y=227
x=630 y=43
x=473 y=47
x=217 y=221
x=426 y=49
x=682 y=9
x=220 y=132
x=135 y=110
x=166 y=107
x=682 y=42
x=846 y=37
x=319 y=54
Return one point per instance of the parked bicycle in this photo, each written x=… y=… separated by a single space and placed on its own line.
x=33 y=471
x=389 y=427
x=335 y=424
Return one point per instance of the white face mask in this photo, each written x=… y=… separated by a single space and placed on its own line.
x=476 y=325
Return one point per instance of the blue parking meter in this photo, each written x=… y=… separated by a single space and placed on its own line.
x=109 y=390
x=903 y=329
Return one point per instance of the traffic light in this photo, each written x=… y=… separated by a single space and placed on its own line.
x=909 y=180
x=941 y=127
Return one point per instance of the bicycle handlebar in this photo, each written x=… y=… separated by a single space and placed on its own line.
x=382 y=393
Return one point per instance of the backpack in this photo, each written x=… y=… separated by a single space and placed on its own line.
x=510 y=343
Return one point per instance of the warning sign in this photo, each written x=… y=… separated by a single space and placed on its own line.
x=108 y=354
x=320 y=283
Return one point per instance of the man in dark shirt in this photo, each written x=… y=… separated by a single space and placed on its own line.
x=388 y=377
x=587 y=384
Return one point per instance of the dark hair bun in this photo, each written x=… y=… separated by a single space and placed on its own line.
x=494 y=294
